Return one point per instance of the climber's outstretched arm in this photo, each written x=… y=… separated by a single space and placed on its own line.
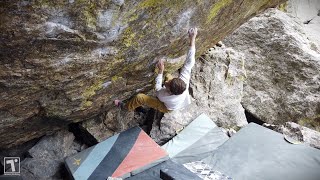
x=192 y=36
x=185 y=73
x=160 y=66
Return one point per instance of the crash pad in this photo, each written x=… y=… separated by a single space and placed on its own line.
x=121 y=155
x=169 y=170
x=258 y=153
x=204 y=171
x=197 y=141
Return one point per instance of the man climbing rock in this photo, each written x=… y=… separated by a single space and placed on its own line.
x=175 y=92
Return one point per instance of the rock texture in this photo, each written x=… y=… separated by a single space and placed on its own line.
x=282 y=68
x=217 y=87
x=46 y=158
x=111 y=122
x=308 y=11
x=304 y=9
x=16 y=151
x=298 y=133
x=65 y=61
x=301 y=133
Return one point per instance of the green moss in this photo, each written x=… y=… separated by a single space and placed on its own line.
x=88 y=93
x=236 y=128
x=151 y=3
x=227 y=127
x=49 y=3
x=156 y=4
x=313 y=122
x=89 y=12
x=128 y=37
x=244 y=76
x=242 y=64
x=216 y=9
x=171 y=68
x=229 y=79
x=91 y=91
x=115 y=78
x=133 y=17
x=90 y=18
x=88 y=103
x=283 y=7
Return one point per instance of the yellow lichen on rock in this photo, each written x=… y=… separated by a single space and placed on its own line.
x=91 y=91
x=128 y=37
x=88 y=93
x=283 y=7
x=150 y=3
x=115 y=78
x=177 y=4
x=312 y=122
x=86 y=104
x=216 y=9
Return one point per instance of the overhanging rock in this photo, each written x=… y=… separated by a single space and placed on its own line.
x=68 y=60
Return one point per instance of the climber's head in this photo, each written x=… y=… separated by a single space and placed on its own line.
x=176 y=86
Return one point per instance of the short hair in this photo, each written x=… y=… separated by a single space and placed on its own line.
x=177 y=86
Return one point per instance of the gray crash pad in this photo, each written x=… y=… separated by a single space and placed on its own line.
x=197 y=141
x=258 y=153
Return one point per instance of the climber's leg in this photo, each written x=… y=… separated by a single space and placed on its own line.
x=142 y=99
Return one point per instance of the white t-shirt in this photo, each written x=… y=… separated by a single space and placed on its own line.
x=171 y=101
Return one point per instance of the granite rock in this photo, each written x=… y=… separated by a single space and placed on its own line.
x=282 y=69
x=46 y=158
x=68 y=60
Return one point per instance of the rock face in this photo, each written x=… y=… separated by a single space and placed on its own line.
x=217 y=87
x=304 y=9
x=282 y=68
x=298 y=133
x=308 y=11
x=47 y=156
x=65 y=61
x=16 y=151
x=113 y=121
x=301 y=133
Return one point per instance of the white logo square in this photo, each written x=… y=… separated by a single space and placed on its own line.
x=11 y=165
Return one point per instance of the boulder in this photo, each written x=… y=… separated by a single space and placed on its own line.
x=304 y=9
x=298 y=133
x=282 y=69
x=20 y=151
x=46 y=158
x=308 y=11
x=113 y=121
x=68 y=60
x=216 y=87
x=301 y=133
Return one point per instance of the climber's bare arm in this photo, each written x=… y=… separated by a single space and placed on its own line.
x=192 y=36
x=185 y=73
x=160 y=66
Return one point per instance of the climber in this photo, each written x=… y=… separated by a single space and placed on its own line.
x=174 y=94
